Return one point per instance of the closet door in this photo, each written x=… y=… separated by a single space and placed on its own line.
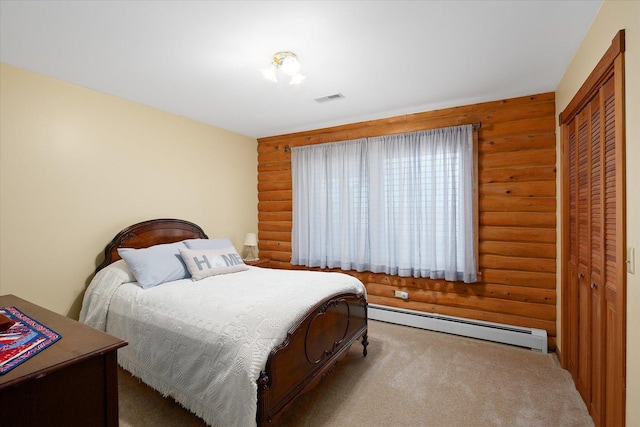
x=586 y=254
x=614 y=249
x=596 y=256
x=593 y=243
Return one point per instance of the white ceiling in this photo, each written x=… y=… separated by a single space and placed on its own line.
x=202 y=59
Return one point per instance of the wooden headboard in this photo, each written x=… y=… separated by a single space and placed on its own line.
x=149 y=233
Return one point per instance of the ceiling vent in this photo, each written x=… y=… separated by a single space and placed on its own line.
x=328 y=98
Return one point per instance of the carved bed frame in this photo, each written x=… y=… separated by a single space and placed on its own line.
x=312 y=347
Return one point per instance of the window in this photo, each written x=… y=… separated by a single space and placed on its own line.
x=398 y=204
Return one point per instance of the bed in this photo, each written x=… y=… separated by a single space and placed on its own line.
x=184 y=334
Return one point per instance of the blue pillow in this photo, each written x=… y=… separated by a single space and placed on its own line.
x=156 y=264
x=208 y=243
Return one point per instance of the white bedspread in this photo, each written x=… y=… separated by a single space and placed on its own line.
x=205 y=342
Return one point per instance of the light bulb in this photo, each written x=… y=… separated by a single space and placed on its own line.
x=290 y=66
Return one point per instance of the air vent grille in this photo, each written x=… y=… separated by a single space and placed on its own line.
x=334 y=97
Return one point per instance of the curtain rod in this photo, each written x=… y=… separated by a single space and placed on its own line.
x=475 y=127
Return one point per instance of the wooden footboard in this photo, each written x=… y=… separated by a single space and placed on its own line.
x=312 y=349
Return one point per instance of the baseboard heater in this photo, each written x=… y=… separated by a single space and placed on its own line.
x=535 y=339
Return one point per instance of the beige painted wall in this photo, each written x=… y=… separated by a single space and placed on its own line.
x=77 y=166
x=615 y=15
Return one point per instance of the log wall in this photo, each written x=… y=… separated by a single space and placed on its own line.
x=517 y=211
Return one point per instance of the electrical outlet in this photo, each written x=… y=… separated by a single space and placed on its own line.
x=402 y=294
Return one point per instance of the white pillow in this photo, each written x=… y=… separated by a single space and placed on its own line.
x=209 y=262
x=156 y=264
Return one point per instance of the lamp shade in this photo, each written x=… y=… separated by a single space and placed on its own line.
x=251 y=239
x=270 y=73
x=290 y=66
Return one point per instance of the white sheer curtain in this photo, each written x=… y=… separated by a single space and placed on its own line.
x=330 y=213
x=398 y=204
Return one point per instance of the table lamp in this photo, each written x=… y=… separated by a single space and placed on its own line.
x=251 y=242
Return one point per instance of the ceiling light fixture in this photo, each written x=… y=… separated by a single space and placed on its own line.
x=288 y=63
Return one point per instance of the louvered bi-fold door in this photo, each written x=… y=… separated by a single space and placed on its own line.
x=595 y=267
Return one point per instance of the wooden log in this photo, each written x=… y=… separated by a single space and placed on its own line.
x=528 y=126
x=515 y=234
x=545 y=157
x=519 y=293
x=521 y=174
x=519 y=249
x=520 y=278
x=516 y=143
x=282 y=195
x=540 y=265
x=525 y=220
x=274 y=186
x=517 y=204
x=275 y=176
x=274 y=225
x=275 y=216
x=275 y=206
x=283 y=164
x=274 y=156
x=524 y=111
x=519 y=189
x=279 y=236
x=267 y=147
x=278 y=259
x=275 y=246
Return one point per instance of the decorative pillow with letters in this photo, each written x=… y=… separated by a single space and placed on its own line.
x=209 y=262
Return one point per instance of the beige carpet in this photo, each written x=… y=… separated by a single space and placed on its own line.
x=411 y=377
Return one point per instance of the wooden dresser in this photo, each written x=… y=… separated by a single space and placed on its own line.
x=74 y=382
